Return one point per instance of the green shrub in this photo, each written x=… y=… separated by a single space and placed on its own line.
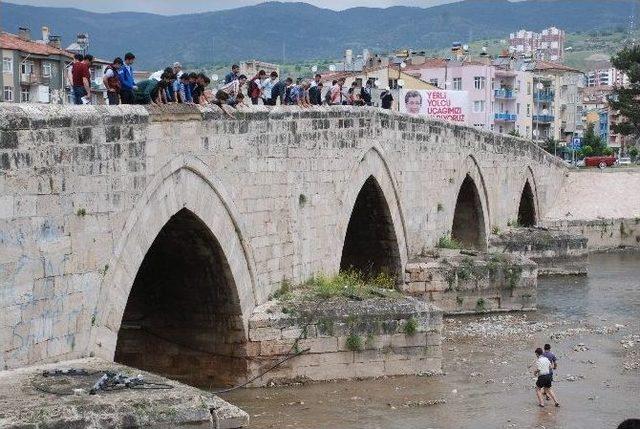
x=354 y=342
x=447 y=242
x=284 y=292
x=410 y=327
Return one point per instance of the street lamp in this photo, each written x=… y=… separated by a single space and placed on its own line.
x=539 y=87
x=400 y=85
x=446 y=69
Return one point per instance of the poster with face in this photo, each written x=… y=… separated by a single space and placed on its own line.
x=450 y=106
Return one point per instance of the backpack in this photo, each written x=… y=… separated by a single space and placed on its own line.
x=254 y=90
x=327 y=97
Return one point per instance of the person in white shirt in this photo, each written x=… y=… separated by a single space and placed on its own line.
x=267 y=86
x=543 y=384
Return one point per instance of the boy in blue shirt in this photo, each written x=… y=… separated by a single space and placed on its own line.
x=552 y=358
x=184 y=89
x=127 y=82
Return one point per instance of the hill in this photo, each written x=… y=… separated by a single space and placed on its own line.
x=307 y=31
x=587 y=49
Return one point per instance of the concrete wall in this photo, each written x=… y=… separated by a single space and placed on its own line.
x=84 y=191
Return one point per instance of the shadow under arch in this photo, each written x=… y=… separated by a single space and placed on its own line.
x=370 y=244
x=184 y=200
x=471 y=215
x=371 y=185
x=468 y=227
x=527 y=215
x=183 y=318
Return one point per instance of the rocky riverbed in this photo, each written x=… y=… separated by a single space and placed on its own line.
x=592 y=324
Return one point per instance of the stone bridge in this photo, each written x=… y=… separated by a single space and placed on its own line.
x=186 y=219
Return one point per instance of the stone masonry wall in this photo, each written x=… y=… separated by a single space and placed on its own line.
x=603 y=234
x=84 y=190
x=460 y=284
x=342 y=340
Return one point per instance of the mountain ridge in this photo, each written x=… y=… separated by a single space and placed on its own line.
x=308 y=32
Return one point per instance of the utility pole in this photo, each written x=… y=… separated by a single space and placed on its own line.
x=284 y=53
x=213 y=52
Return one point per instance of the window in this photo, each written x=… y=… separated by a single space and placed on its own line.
x=479 y=82
x=8 y=93
x=528 y=88
x=528 y=110
x=501 y=130
x=46 y=70
x=478 y=106
x=528 y=131
x=7 y=65
x=518 y=86
x=24 y=95
x=517 y=108
x=26 y=68
x=457 y=84
x=433 y=82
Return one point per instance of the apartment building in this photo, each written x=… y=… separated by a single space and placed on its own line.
x=557 y=110
x=499 y=93
x=32 y=70
x=606 y=76
x=546 y=45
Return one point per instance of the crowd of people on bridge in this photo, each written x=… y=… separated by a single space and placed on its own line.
x=175 y=85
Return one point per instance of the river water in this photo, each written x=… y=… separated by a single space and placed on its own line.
x=592 y=323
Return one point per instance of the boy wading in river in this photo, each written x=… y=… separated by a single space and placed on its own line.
x=554 y=362
x=543 y=384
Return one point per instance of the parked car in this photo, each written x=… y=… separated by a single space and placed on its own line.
x=580 y=163
x=624 y=161
x=600 y=161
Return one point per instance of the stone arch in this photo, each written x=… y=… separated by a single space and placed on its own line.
x=471 y=213
x=184 y=201
x=371 y=185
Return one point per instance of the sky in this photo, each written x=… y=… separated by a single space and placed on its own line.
x=172 y=7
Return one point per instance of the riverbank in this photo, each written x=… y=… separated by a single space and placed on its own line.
x=590 y=321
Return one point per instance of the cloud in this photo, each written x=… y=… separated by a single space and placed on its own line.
x=172 y=7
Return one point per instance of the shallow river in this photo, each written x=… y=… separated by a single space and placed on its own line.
x=486 y=382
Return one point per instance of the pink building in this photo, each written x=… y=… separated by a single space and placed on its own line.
x=500 y=96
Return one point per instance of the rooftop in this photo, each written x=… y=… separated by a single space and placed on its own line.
x=14 y=42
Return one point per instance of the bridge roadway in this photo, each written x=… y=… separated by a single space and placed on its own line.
x=183 y=220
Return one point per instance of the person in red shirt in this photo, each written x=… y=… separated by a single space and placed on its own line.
x=81 y=76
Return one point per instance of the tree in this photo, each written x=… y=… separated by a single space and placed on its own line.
x=586 y=151
x=626 y=99
x=633 y=153
x=551 y=146
x=593 y=141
